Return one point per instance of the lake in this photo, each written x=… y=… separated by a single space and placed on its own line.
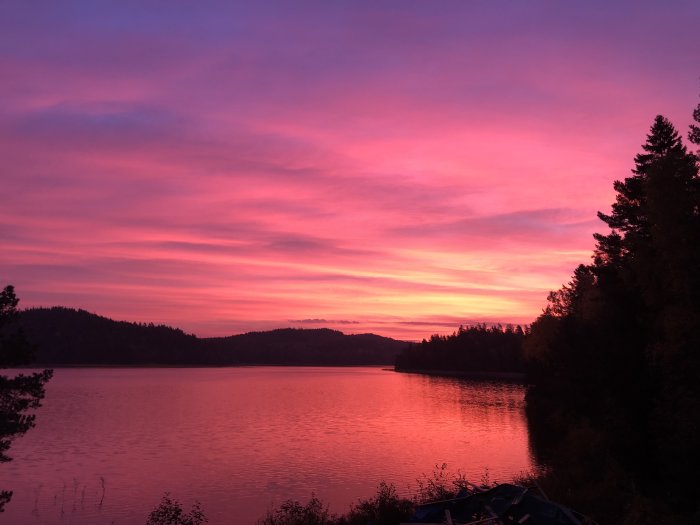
x=109 y=442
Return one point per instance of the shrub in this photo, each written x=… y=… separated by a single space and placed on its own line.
x=294 y=513
x=170 y=512
x=386 y=508
x=442 y=485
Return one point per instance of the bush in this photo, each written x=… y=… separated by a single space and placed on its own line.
x=386 y=508
x=170 y=512
x=442 y=485
x=294 y=513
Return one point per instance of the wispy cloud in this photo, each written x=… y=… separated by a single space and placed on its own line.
x=323 y=322
x=399 y=168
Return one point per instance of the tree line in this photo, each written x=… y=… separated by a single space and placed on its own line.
x=473 y=350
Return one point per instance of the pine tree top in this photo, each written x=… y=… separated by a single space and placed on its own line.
x=694 y=133
x=664 y=159
x=663 y=141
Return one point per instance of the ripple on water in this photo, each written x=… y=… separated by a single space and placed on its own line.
x=241 y=439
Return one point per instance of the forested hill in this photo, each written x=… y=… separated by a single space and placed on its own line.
x=65 y=336
x=475 y=350
x=290 y=346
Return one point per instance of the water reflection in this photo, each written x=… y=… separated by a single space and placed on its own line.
x=240 y=439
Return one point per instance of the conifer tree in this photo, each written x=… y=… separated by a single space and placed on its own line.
x=694 y=133
x=21 y=393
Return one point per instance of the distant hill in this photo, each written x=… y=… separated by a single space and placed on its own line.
x=290 y=346
x=64 y=336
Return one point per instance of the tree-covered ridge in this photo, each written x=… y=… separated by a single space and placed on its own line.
x=320 y=346
x=68 y=336
x=475 y=349
x=65 y=336
x=615 y=356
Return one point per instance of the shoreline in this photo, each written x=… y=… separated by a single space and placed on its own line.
x=500 y=376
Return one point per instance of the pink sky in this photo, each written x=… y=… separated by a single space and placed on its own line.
x=393 y=167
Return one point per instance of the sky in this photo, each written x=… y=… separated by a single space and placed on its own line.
x=396 y=167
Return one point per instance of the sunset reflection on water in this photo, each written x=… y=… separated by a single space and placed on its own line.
x=242 y=439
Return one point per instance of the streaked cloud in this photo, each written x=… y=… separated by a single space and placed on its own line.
x=399 y=168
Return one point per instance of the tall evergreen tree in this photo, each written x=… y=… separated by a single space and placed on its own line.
x=616 y=351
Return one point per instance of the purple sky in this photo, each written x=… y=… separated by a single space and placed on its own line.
x=395 y=167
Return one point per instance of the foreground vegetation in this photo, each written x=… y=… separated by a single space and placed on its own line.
x=386 y=507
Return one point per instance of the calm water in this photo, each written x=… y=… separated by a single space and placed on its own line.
x=110 y=442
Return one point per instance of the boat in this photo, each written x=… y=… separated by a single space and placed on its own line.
x=503 y=504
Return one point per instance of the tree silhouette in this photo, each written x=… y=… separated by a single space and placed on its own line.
x=18 y=394
x=478 y=349
x=694 y=133
x=615 y=356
